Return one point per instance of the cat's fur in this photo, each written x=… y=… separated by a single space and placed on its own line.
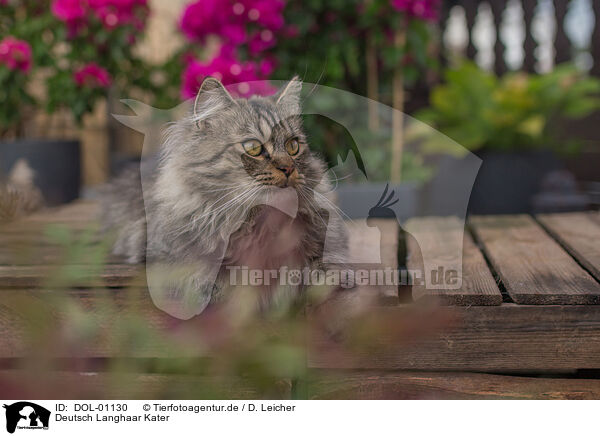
x=201 y=192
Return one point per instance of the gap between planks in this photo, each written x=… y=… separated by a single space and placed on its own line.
x=579 y=234
x=444 y=241
x=367 y=385
x=533 y=267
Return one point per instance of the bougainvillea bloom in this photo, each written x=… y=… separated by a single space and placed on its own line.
x=247 y=78
x=92 y=76
x=253 y=24
x=68 y=10
x=15 y=54
x=422 y=9
x=111 y=13
x=230 y=19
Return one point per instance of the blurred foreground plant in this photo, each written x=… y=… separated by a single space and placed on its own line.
x=79 y=341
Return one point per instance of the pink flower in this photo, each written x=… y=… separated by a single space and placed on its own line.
x=202 y=18
x=231 y=19
x=92 y=76
x=261 y=41
x=421 y=9
x=267 y=66
x=246 y=78
x=269 y=13
x=15 y=54
x=69 y=10
x=112 y=13
x=234 y=33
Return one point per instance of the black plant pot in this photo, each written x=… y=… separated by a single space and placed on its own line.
x=508 y=181
x=56 y=164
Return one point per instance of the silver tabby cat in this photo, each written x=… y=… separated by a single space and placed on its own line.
x=204 y=205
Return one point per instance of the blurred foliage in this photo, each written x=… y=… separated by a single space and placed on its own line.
x=93 y=42
x=31 y=21
x=59 y=50
x=331 y=42
x=514 y=112
x=330 y=49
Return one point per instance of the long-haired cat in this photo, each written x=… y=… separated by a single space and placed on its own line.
x=205 y=207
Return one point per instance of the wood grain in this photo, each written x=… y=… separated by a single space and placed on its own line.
x=103 y=323
x=27 y=276
x=43 y=384
x=579 y=234
x=533 y=267
x=440 y=238
x=501 y=338
x=385 y=247
x=446 y=386
x=75 y=212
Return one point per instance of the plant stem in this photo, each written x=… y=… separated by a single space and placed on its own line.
x=398 y=113
x=372 y=82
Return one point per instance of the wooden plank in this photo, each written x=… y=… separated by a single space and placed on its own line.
x=501 y=338
x=532 y=266
x=77 y=211
x=88 y=323
x=446 y=386
x=102 y=323
x=579 y=234
x=440 y=239
x=45 y=384
x=27 y=276
x=384 y=246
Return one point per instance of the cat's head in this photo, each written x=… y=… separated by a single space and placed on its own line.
x=258 y=141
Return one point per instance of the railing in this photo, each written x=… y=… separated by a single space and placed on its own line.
x=492 y=29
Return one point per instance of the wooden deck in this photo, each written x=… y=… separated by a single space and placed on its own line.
x=528 y=309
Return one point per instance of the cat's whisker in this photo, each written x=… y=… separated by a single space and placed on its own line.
x=247 y=200
x=339 y=211
x=214 y=212
x=315 y=209
x=209 y=211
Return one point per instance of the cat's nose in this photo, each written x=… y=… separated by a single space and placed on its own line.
x=287 y=170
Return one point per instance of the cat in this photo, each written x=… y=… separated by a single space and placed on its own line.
x=208 y=198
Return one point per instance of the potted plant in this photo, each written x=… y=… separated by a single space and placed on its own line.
x=514 y=123
x=23 y=53
x=77 y=52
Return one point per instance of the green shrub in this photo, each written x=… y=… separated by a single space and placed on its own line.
x=517 y=111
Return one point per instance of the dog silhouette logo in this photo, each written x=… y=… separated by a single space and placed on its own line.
x=26 y=415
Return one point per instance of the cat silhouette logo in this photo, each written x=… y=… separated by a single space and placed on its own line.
x=26 y=415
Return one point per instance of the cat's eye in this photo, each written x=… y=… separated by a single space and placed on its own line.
x=252 y=147
x=292 y=146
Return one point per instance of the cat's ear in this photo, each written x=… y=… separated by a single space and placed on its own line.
x=212 y=98
x=289 y=95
